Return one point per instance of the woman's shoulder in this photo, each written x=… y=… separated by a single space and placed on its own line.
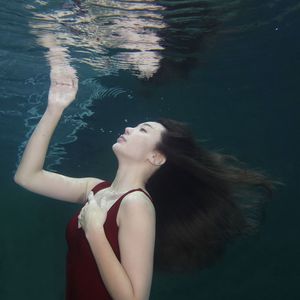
x=137 y=199
x=136 y=203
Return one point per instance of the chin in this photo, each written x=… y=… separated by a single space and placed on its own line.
x=115 y=148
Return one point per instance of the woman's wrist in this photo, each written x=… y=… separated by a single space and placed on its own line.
x=54 y=110
x=89 y=234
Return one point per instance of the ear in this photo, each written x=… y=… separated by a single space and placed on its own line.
x=156 y=158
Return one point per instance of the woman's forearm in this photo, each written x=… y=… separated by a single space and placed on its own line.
x=112 y=272
x=59 y=96
x=35 y=151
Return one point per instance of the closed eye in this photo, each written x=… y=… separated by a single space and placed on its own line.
x=143 y=129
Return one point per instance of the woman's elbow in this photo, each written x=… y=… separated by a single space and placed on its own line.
x=17 y=179
x=21 y=180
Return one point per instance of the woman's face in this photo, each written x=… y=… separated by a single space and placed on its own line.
x=138 y=143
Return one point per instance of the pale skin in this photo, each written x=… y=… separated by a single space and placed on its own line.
x=131 y=277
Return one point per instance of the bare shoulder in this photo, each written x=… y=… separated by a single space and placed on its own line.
x=137 y=199
x=136 y=203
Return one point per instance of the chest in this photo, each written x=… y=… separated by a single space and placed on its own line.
x=78 y=246
x=111 y=201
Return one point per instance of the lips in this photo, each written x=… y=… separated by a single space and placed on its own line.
x=122 y=137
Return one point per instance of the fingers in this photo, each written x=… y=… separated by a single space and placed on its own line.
x=79 y=221
x=75 y=82
x=91 y=197
x=103 y=204
x=63 y=83
x=65 y=80
x=93 y=209
x=64 y=75
x=80 y=216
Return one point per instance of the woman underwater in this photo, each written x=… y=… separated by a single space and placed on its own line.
x=172 y=204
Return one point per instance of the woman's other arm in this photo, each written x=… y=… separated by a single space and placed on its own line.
x=131 y=278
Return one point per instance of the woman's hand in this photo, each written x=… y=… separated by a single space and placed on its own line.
x=92 y=216
x=64 y=86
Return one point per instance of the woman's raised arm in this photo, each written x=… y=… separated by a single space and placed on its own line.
x=30 y=173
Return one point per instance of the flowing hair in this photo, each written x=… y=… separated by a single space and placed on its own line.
x=203 y=199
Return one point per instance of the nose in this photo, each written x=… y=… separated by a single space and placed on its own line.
x=127 y=130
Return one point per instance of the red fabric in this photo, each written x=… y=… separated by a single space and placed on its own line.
x=83 y=279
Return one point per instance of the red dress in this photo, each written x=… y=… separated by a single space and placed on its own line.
x=83 y=279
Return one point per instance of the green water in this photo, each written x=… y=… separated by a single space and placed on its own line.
x=242 y=95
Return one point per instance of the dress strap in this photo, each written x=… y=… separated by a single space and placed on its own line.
x=146 y=194
x=100 y=186
x=139 y=189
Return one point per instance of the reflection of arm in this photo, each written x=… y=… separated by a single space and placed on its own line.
x=57 y=55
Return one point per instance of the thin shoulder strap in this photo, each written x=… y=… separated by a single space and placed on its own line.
x=146 y=193
x=139 y=189
x=100 y=186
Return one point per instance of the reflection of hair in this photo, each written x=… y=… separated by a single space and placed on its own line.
x=202 y=200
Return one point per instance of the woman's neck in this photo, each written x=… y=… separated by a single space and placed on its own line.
x=129 y=177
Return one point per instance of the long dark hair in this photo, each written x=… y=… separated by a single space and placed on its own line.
x=203 y=199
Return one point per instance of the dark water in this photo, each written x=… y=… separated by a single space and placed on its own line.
x=228 y=68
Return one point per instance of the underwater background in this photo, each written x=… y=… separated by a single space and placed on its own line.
x=230 y=69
